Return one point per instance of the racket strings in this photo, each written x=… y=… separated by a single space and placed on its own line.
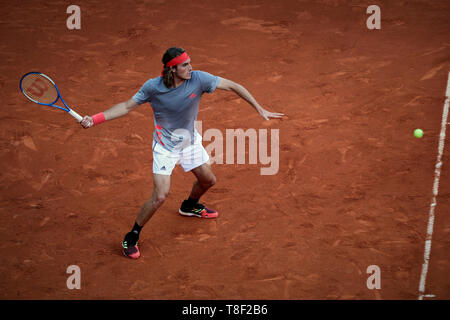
x=39 y=88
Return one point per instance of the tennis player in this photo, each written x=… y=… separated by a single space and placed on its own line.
x=175 y=97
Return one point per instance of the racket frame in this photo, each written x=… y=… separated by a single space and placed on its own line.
x=67 y=109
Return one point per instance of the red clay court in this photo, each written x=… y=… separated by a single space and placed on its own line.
x=354 y=186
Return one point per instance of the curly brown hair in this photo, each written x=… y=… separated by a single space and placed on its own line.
x=170 y=54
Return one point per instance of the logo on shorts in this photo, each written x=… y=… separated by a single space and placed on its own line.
x=163 y=168
x=192 y=96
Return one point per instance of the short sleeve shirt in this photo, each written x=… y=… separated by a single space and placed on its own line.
x=175 y=110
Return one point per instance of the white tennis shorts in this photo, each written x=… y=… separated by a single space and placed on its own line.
x=190 y=157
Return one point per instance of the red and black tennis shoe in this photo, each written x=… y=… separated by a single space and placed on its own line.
x=131 y=252
x=130 y=246
x=198 y=210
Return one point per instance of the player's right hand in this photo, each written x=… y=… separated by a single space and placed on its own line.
x=87 y=122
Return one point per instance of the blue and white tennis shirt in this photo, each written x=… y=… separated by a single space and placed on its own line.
x=175 y=110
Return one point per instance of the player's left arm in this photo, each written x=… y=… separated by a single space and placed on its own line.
x=228 y=85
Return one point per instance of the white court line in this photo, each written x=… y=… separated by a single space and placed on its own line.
x=437 y=175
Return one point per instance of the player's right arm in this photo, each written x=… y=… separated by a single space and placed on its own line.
x=116 y=111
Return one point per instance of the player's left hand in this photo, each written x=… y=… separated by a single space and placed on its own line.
x=267 y=114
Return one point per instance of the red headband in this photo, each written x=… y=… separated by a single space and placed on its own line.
x=176 y=61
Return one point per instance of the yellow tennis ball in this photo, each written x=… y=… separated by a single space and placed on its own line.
x=418 y=133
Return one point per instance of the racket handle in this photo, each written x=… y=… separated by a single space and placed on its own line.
x=75 y=115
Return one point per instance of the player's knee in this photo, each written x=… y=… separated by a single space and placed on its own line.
x=161 y=196
x=211 y=182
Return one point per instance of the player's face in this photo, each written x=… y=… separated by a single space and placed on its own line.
x=184 y=70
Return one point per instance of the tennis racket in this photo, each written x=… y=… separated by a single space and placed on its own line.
x=40 y=89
